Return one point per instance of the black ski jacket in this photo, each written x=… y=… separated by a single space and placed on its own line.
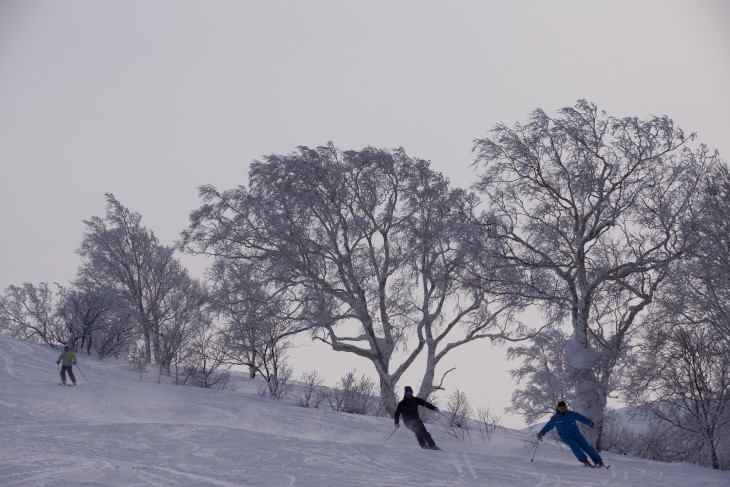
x=408 y=407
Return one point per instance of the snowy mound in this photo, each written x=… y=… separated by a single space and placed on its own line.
x=117 y=430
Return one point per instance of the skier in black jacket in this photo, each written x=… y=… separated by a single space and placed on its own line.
x=408 y=407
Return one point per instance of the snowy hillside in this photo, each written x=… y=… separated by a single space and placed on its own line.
x=118 y=431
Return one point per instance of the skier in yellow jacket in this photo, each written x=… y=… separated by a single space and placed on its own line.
x=67 y=359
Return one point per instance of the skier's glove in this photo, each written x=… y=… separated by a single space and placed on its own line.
x=58 y=362
x=436 y=409
x=539 y=437
x=75 y=364
x=397 y=425
x=592 y=425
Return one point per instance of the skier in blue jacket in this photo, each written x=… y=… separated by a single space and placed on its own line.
x=564 y=421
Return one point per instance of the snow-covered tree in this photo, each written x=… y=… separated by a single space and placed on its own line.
x=258 y=318
x=682 y=368
x=124 y=258
x=28 y=312
x=593 y=209
x=353 y=395
x=457 y=415
x=683 y=377
x=460 y=297
x=182 y=318
x=540 y=377
x=87 y=315
x=372 y=242
x=78 y=316
x=312 y=393
x=202 y=361
x=699 y=289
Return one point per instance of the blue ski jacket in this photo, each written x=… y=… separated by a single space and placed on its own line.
x=565 y=424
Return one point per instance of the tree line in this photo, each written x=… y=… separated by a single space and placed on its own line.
x=616 y=230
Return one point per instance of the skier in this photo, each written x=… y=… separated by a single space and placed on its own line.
x=564 y=421
x=68 y=358
x=408 y=407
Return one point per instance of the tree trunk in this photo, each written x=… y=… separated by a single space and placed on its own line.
x=715 y=459
x=387 y=393
x=430 y=372
x=581 y=359
x=147 y=346
x=273 y=384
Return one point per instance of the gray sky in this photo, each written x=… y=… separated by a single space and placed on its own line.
x=150 y=99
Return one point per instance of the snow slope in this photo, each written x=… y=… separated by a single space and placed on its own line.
x=120 y=431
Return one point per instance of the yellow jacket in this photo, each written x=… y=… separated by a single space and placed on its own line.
x=67 y=358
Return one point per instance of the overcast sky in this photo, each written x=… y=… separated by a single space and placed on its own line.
x=150 y=99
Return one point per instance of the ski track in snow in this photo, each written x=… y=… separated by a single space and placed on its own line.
x=122 y=431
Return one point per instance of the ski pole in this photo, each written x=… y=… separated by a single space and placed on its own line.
x=82 y=374
x=391 y=434
x=442 y=414
x=533 y=453
x=452 y=421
